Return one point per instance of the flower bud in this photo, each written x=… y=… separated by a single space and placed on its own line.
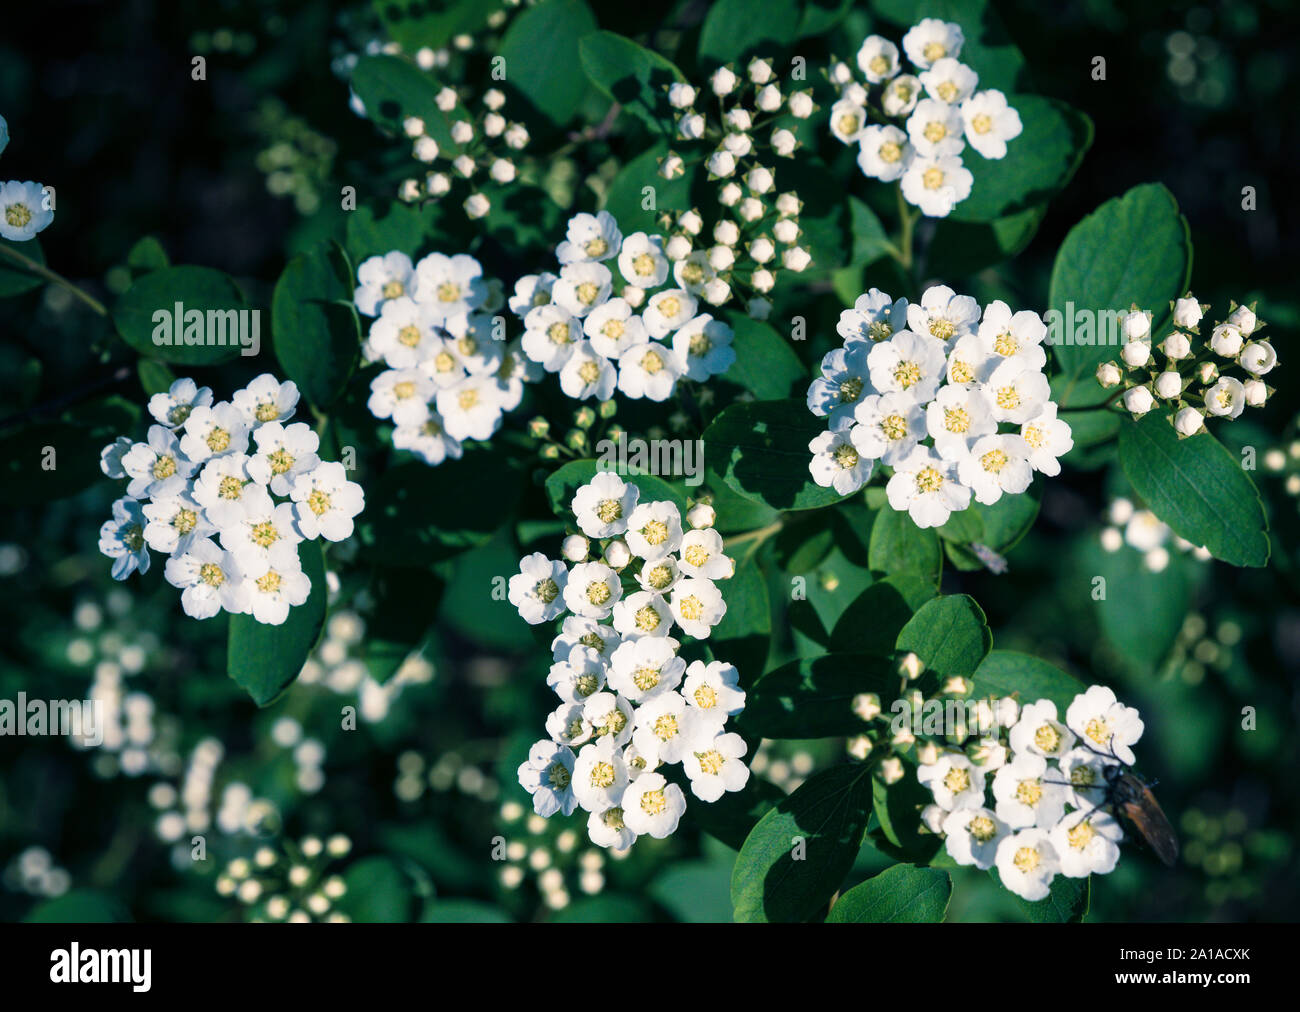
x=859 y=747
x=678 y=248
x=786 y=230
x=726 y=232
x=701 y=515
x=691 y=222
x=1187 y=312
x=617 y=554
x=788 y=205
x=759 y=308
x=1136 y=354
x=1256 y=393
x=1169 y=385
x=1243 y=318
x=784 y=142
x=768 y=98
x=760 y=71
x=1226 y=340
x=574 y=548
x=751 y=209
x=763 y=280
x=681 y=96
x=866 y=705
x=1188 y=422
x=762 y=250
x=723 y=81
x=759 y=179
x=476 y=205
x=1207 y=372
x=730 y=194
x=801 y=105
x=1137 y=325
x=721 y=164
x=1258 y=357
x=1176 y=346
x=1138 y=401
x=413 y=126
x=910 y=666
x=1108 y=374
x=796 y=258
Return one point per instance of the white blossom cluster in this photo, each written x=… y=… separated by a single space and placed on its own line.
x=938 y=106
x=755 y=233
x=483 y=145
x=227 y=490
x=628 y=703
x=1191 y=386
x=952 y=397
x=624 y=327
x=1049 y=786
x=289 y=883
x=1145 y=533
x=25 y=208
x=451 y=375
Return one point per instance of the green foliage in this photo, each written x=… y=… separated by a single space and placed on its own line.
x=540 y=40
x=315 y=325
x=902 y=893
x=196 y=289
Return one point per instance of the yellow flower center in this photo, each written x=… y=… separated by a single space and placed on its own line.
x=893 y=427
x=1026 y=859
x=558 y=775
x=444 y=361
x=17 y=215
x=993 y=461
x=706 y=697
x=655 y=532
x=598 y=592
x=266 y=412
x=1098 y=730
x=281 y=460
x=665 y=727
x=890 y=152
x=596 y=247
x=711 y=762
x=691 y=608
x=1008 y=398
x=467 y=399
x=850 y=389
x=602 y=774
x=692 y=273
x=185 y=520
x=403 y=390
x=609 y=510
x=846 y=456
x=906 y=374
x=1006 y=344
x=269 y=582
x=613 y=329
x=962 y=372
x=164 y=467
x=947 y=91
x=613 y=818
x=585 y=685
x=558 y=333
x=660 y=576
x=643 y=264
x=318 y=501
x=670 y=306
x=1048 y=738
x=696 y=556
x=133 y=537
x=211 y=574
x=928 y=479
x=546 y=590
x=588 y=372
x=409 y=336
x=699 y=345
x=218 y=440
x=934 y=51
x=587 y=292
x=647 y=619
x=1081 y=835
x=878 y=65
x=1029 y=793
x=935 y=131
x=447 y=292
x=956 y=419
x=848 y=123
x=230 y=487
x=653 y=802
x=1033 y=435
x=645 y=678
x=982 y=124
x=932 y=178
x=957 y=780
x=264 y=535
x=981 y=829
x=393 y=289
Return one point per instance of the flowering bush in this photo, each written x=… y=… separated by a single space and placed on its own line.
x=621 y=508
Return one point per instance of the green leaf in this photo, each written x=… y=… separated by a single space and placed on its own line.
x=1133 y=249
x=744 y=635
x=379 y=892
x=413 y=517
x=563 y=485
x=897 y=807
x=731 y=30
x=1197 y=487
x=631 y=75
x=196 y=289
x=1039 y=163
x=463 y=912
x=1066 y=902
x=265 y=659
x=898 y=546
x=541 y=50
x=1004 y=672
x=733 y=816
x=402 y=228
x=405 y=604
x=871 y=624
x=14 y=279
x=626 y=192
x=53 y=460
x=417 y=23
x=999 y=527
x=393 y=88
x=960 y=248
x=903 y=893
x=761 y=450
x=798 y=854
x=949 y=634
x=147 y=255
x=814 y=698
x=765 y=363
x=314 y=323
x=155 y=377
x=870 y=240
x=1142 y=612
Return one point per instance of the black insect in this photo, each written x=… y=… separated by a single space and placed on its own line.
x=1130 y=799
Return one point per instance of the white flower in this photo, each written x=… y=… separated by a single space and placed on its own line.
x=837 y=462
x=660 y=576
x=611 y=328
x=648 y=370
x=847 y=120
x=406 y=332
x=645 y=668
x=122 y=539
x=936 y=185
x=926 y=487
x=956 y=417
x=275 y=582
x=1189 y=422
x=738 y=145
x=667 y=728
x=652 y=806
x=884 y=152
x=1104 y=724
x=1020 y=335
x=213 y=431
x=1187 y=312
x=1258 y=358
x=1244 y=319
x=878 y=59
x=175 y=523
x=703 y=347
x=402 y=395
x=427 y=440
x=471 y=409
x=611 y=716
x=580 y=673
x=550 y=335
x=1048 y=438
x=715 y=767
x=702 y=553
x=642 y=614
x=654 y=529
x=582 y=287
x=907 y=363
x=949 y=81
x=972 y=836
x=1138 y=401
x=712 y=690
x=24 y=210
x=990 y=123
x=875 y=316
x=1027 y=863
x=1226 y=340
x=1025 y=795
x=283 y=453
x=452 y=285
x=693 y=272
x=532 y=290
x=548 y=776
x=592 y=590
x=955 y=782
x=182 y=397
x=935 y=129
x=327 y=502
x=603 y=505
x=900 y=95
x=930 y=40
x=588 y=374
x=537 y=590
x=224 y=489
x=157 y=468
x=996 y=464
x=1039 y=732
x=262 y=527
x=210 y=580
x=590 y=237
x=1087 y=843
x=888 y=427
x=697 y=605
x=1226 y=399
x=1084 y=772
x=944 y=314
x=607 y=829
x=681 y=96
x=599 y=776
x=1017 y=392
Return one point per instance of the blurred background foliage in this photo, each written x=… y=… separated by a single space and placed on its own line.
x=244 y=169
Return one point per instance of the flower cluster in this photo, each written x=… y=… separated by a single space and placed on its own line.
x=291 y=883
x=483 y=144
x=627 y=329
x=750 y=226
x=951 y=396
x=236 y=471
x=1050 y=785
x=938 y=106
x=629 y=703
x=25 y=208
x=451 y=376
x=1190 y=385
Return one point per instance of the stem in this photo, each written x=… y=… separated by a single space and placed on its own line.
x=908 y=224
x=40 y=270
x=759 y=535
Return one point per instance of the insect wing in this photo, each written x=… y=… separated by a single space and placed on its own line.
x=1139 y=806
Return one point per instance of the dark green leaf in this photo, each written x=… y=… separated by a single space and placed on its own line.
x=814 y=698
x=949 y=635
x=765 y=363
x=315 y=326
x=542 y=56
x=216 y=334
x=903 y=893
x=631 y=75
x=1004 y=672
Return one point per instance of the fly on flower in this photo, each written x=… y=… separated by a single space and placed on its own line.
x=1132 y=800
